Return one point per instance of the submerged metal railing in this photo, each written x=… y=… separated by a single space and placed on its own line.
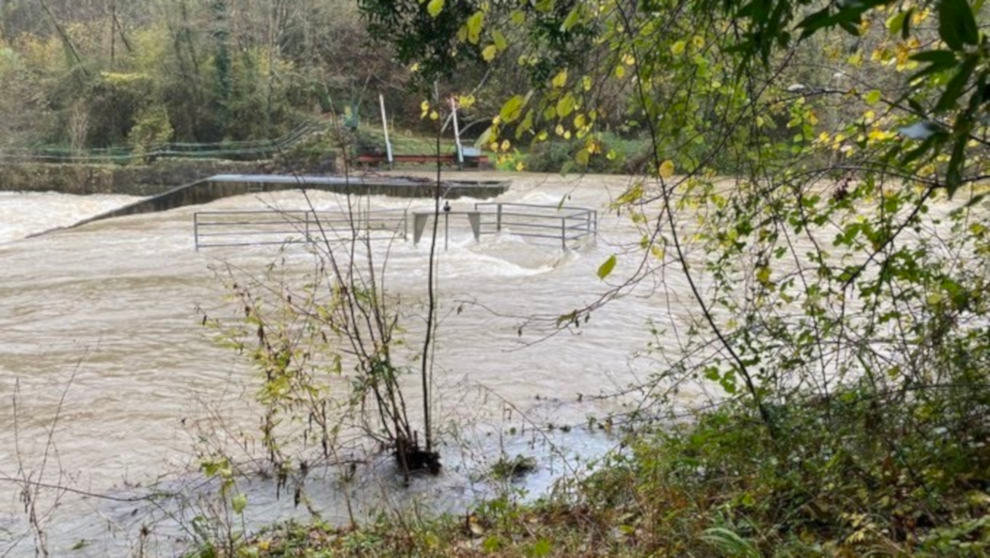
x=565 y=224
x=560 y=222
x=260 y=227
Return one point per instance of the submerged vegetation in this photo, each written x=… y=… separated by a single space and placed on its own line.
x=722 y=486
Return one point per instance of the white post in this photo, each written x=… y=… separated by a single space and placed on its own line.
x=457 y=133
x=388 y=144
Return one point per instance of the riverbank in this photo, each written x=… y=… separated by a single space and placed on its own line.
x=835 y=480
x=133 y=179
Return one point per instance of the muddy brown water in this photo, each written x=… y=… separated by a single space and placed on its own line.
x=113 y=305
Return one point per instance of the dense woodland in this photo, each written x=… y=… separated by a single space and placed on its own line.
x=134 y=72
x=139 y=73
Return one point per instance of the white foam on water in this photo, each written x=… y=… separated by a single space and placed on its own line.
x=121 y=296
x=26 y=213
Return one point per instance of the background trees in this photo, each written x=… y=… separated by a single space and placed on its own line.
x=188 y=71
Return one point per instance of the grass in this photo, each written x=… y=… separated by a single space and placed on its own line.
x=850 y=477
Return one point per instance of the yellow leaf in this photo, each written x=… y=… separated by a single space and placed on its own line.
x=512 y=109
x=586 y=83
x=677 y=48
x=520 y=166
x=434 y=7
x=489 y=53
x=560 y=79
x=763 y=275
x=667 y=169
x=474 y=24
x=620 y=71
x=565 y=105
x=434 y=115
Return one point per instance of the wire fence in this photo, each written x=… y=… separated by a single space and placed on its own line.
x=248 y=150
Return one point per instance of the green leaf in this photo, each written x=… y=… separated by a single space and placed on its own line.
x=953 y=171
x=944 y=58
x=815 y=21
x=474 y=24
x=956 y=25
x=434 y=7
x=606 y=268
x=955 y=87
x=512 y=108
x=500 y=42
x=896 y=22
x=239 y=502
x=873 y=97
x=906 y=26
x=565 y=105
x=936 y=66
x=489 y=52
x=763 y=275
x=940 y=60
x=539 y=549
x=526 y=125
x=543 y=6
x=572 y=18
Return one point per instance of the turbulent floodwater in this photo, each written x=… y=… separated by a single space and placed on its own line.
x=107 y=316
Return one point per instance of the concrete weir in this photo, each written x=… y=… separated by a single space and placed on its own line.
x=223 y=185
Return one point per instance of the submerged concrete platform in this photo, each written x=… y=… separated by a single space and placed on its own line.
x=224 y=185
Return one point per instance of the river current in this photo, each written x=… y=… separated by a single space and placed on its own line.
x=100 y=327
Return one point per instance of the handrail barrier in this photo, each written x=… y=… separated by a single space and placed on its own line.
x=213 y=229
x=566 y=223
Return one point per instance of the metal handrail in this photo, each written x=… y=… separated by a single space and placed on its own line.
x=570 y=223
x=586 y=220
x=307 y=224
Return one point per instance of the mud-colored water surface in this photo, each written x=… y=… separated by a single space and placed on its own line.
x=107 y=316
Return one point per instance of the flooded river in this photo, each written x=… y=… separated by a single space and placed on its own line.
x=99 y=326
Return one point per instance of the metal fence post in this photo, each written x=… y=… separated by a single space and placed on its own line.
x=498 y=218
x=196 y=230
x=563 y=233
